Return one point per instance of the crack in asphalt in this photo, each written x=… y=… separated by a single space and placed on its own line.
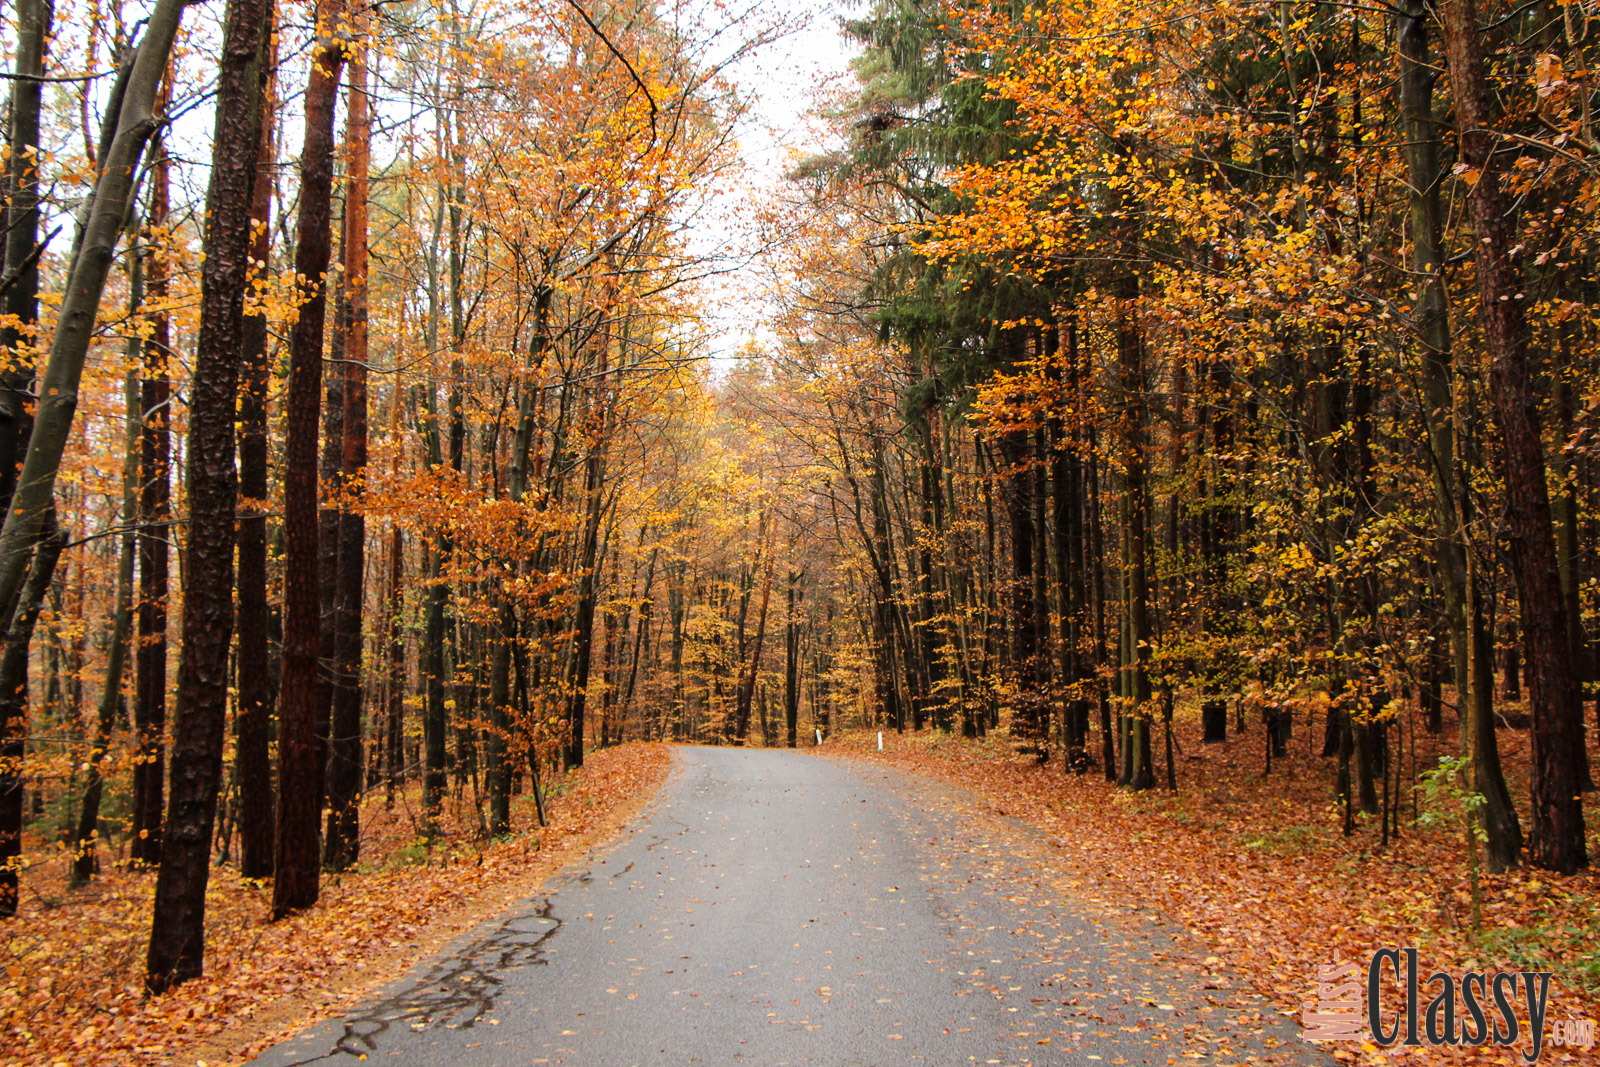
x=859 y=918
x=456 y=992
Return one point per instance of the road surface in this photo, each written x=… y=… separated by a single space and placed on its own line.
x=779 y=908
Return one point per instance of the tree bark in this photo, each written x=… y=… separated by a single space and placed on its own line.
x=1504 y=845
x=14 y=706
x=22 y=314
x=394 y=635
x=1557 y=735
x=344 y=742
x=594 y=476
x=100 y=226
x=253 y=718
x=155 y=493
x=85 y=861
x=295 y=884
x=747 y=684
x=791 y=672
x=177 y=935
x=22 y=233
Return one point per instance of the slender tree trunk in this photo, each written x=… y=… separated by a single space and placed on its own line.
x=295 y=884
x=1136 y=688
x=791 y=672
x=177 y=937
x=584 y=623
x=100 y=226
x=21 y=305
x=1417 y=73
x=434 y=722
x=344 y=749
x=496 y=772
x=85 y=863
x=155 y=456
x=394 y=731
x=14 y=706
x=1557 y=736
x=330 y=478
x=16 y=387
x=747 y=685
x=1028 y=722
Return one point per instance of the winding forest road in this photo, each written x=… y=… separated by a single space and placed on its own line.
x=776 y=908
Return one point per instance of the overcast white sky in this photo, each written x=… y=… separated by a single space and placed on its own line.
x=783 y=79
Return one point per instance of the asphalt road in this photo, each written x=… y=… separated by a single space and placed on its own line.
x=780 y=908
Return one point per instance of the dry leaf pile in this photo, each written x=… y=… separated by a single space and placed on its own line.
x=72 y=993
x=1259 y=868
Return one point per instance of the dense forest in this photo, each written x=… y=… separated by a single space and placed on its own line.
x=365 y=439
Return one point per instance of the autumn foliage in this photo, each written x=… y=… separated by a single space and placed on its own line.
x=374 y=450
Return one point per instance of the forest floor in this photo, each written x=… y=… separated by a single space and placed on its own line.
x=1258 y=867
x=71 y=992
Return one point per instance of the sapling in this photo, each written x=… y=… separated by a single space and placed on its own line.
x=1448 y=798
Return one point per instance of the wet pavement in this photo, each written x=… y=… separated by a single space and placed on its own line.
x=776 y=908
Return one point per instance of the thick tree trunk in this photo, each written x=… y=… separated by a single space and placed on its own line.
x=253 y=717
x=177 y=937
x=295 y=884
x=1557 y=737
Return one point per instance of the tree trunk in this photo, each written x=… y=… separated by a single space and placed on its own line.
x=253 y=716
x=1557 y=734
x=14 y=707
x=295 y=884
x=21 y=240
x=791 y=671
x=85 y=862
x=100 y=225
x=344 y=742
x=594 y=468
x=1027 y=721
x=21 y=306
x=1130 y=346
x=177 y=935
x=330 y=479
x=434 y=724
x=496 y=771
x=1440 y=412
x=747 y=685
x=394 y=634
x=155 y=457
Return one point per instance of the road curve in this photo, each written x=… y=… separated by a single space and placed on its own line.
x=777 y=908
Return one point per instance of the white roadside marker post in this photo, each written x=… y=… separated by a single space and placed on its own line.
x=819 y=737
x=880 y=740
